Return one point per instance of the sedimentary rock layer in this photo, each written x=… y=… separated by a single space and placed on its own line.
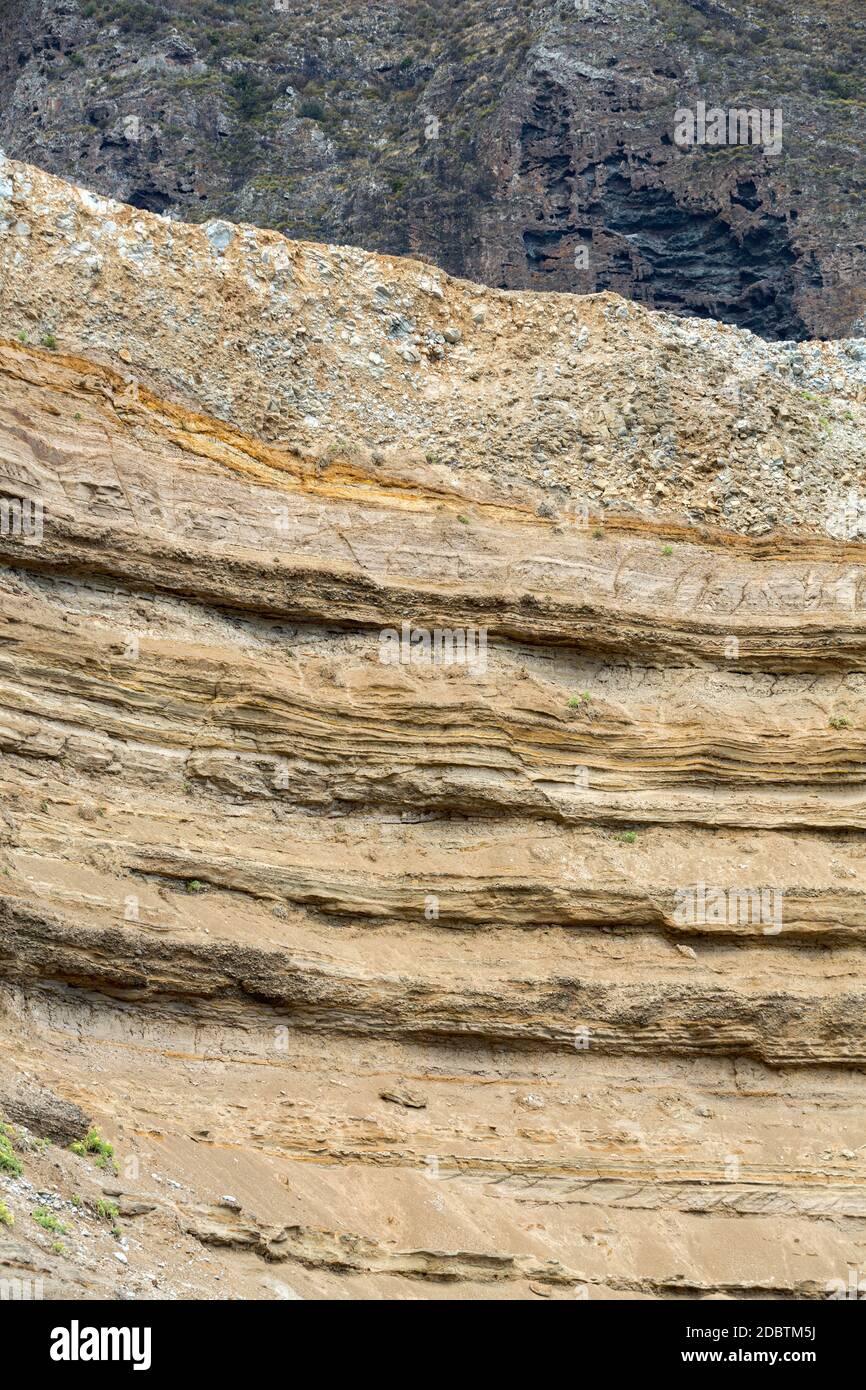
x=392 y=973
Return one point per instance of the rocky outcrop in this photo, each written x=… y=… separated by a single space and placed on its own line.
x=521 y=957
x=526 y=145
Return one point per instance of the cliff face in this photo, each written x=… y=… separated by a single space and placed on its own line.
x=524 y=145
x=539 y=973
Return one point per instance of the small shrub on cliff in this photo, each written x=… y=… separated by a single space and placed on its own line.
x=9 y=1163
x=311 y=110
x=93 y=1143
x=108 y=1211
x=48 y=1221
x=6 y=1217
x=840 y=722
x=253 y=96
x=628 y=837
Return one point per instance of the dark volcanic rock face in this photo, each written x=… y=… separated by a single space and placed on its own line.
x=528 y=145
x=634 y=237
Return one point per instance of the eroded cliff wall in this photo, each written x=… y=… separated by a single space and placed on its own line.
x=526 y=145
x=535 y=973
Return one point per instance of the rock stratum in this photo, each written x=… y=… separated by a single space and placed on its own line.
x=376 y=973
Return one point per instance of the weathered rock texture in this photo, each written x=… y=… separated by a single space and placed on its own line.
x=524 y=144
x=377 y=975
